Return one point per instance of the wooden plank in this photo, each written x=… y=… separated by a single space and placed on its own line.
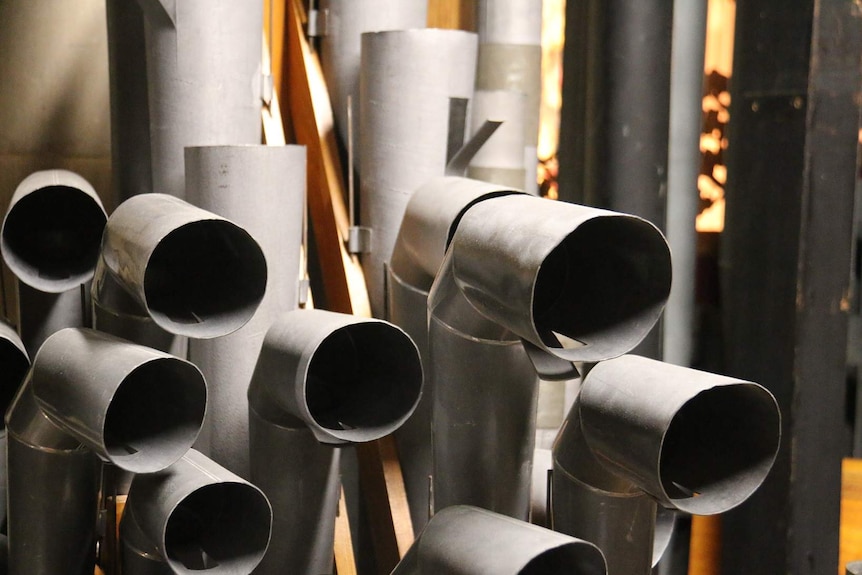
x=850 y=535
x=345 y=562
x=705 y=550
x=452 y=14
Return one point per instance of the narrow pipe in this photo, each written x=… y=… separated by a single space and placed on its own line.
x=322 y=379
x=692 y=441
x=261 y=188
x=15 y=362
x=50 y=241
x=414 y=92
x=512 y=274
x=204 y=75
x=501 y=158
x=194 y=516
x=466 y=540
x=89 y=396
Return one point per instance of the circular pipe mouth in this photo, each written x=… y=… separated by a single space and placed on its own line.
x=205 y=279
x=221 y=527
x=719 y=448
x=601 y=290
x=15 y=365
x=155 y=415
x=51 y=238
x=364 y=380
x=578 y=557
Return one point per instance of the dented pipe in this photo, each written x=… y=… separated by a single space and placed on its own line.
x=89 y=396
x=194 y=516
x=691 y=441
x=322 y=379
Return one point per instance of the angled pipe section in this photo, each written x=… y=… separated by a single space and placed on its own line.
x=50 y=241
x=89 y=396
x=323 y=379
x=466 y=540
x=691 y=441
x=194 y=516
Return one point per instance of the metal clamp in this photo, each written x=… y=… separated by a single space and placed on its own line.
x=359 y=240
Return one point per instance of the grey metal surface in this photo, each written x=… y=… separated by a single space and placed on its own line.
x=501 y=158
x=16 y=363
x=345 y=22
x=262 y=189
x=466 y=540
x=854 y=567
x=41 y=314
x=407 y=79
x=204 y=76
x=194 y=516
x=195 y=273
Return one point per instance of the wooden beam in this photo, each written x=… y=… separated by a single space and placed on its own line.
x=452 y=14
x=345 y=562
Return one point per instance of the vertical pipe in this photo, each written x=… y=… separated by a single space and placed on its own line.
x=261 y=188
x=501 y=158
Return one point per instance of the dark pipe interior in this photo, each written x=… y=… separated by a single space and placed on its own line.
x=719 y=448
x=205 y=279
x=53 y=235
x=14 y=367
x=363 y=380
x=155 y=415
x=223 y=525
x=571 y=559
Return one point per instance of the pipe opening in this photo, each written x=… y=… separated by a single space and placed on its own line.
x=155 y=415
x=600 y=291
x=719 y=448
x=51 y=238
x=15 y=365
x=205 y=279
x=578 y=558
x=222 y=525
x=363 y=381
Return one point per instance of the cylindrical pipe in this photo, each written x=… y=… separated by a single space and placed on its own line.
x=501 y=159
x=15 y=362
x=194 y=516
x=321 y=377
x=204 y=76
x=414 y=93
x=50 y=241
x=262 y=189
x=466 y=540
x=195 y=273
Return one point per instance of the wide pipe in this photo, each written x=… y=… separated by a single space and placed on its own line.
x=50 y=240
x=194 y=516
x=691 y=441
x=466 y=540
x=194 y=273
x=415 y=88
x=204 y=77
x=89 y=396
x=262 y=189
x=322 y=379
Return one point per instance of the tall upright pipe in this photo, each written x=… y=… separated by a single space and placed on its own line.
x=573 y=283
x=50 y=240
x=690 y=440
x=466 y=540
x=501 y=158
x=204 y=76
x=510 y=58
x=262 y=189
x=15 y=362
x=414 y=92
x=322 y=379
x=194 y=516
x=89 y=396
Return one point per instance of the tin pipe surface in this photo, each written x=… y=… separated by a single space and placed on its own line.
x=16 y=363
x=457 y=541
x=501 y=158
x=194 y=516
x=262 y=189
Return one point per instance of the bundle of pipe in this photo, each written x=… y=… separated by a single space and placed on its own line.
x=344 y=22
x=194 y=516
x=323 y=379
x=689 y=440
x=414 y=92
x=573 y=284
x=429 y=221
x=15 y=362
x=465 y=540
x=89 y=396
x=50 y=240
x=262 y=189
x=510 y=58
x=204 y=78
x=501 y=158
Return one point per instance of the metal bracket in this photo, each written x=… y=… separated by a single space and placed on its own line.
x=302 y=292
x=317 y=22
x=359 y=240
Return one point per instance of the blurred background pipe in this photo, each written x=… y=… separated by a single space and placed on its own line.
x=322 y=379
x=466 y=540
x=89 y=396
x=194 y=516
x=262 y=189
x=50 y=240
